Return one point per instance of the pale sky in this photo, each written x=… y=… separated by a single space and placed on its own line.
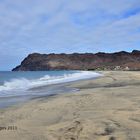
x=66 y=26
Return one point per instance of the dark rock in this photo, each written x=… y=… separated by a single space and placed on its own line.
x=88 y=61
x=136 y=52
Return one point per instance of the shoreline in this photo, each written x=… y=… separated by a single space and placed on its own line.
x=105 y=108
x=45 y=90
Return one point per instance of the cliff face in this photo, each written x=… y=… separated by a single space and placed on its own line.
x=99 y=61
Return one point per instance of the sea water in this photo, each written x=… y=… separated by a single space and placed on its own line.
x=21 y=86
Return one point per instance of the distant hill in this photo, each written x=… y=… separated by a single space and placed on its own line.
x=87 y=61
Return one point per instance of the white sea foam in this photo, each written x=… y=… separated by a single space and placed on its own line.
x=25 y=84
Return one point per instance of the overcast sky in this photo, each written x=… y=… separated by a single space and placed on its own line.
x=59 y=26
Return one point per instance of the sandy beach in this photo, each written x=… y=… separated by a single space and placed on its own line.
x=106 y=108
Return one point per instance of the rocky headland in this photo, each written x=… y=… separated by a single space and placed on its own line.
x=76 y=61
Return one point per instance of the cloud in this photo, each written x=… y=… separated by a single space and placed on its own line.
x=47 y=26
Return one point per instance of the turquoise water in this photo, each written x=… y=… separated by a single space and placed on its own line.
x=20 y=86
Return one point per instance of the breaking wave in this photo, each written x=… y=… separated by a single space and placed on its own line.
x=25 y=84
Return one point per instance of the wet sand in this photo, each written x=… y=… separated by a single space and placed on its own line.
x=106 y=108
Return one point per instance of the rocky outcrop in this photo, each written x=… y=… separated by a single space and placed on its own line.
x=87 y=61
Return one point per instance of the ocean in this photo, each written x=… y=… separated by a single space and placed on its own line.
x=22 y=86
